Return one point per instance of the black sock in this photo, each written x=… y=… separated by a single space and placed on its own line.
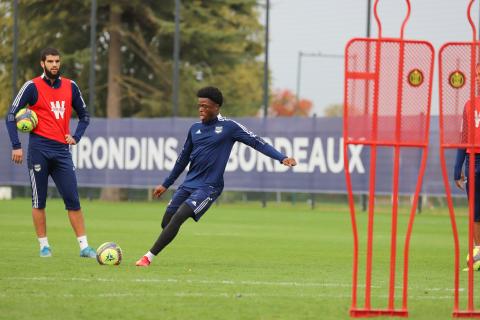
x=170 y=231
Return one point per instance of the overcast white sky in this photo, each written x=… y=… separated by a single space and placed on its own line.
x=326 y=26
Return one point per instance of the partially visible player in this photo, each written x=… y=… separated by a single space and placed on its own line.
x=52 y=98
x=207 y=149
x=459 y=176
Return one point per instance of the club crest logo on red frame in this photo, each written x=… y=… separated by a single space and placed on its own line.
x=415 y=78
x=456 y=79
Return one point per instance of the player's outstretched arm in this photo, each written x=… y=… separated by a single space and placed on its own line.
x=289 y=162
x=158 y=191
x=242 y=134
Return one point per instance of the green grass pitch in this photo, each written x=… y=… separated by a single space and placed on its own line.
x=240 y=261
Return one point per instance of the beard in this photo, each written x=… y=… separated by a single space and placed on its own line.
x=51 y=75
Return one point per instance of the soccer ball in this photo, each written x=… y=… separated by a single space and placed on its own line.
x=26 y=120
x=476 y=259
x=109 y=253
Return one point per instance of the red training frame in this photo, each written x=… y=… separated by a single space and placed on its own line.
x=368 y=121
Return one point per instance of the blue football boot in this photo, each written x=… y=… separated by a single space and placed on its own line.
x=45 y=252
x=88 y=252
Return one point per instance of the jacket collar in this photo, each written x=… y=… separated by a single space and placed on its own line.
x=214 y=120
x=56 y=83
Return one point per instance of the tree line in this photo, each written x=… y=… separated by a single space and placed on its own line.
x=221 y=44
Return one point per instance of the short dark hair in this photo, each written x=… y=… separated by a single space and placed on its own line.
x=48 y=52
x=211 y=93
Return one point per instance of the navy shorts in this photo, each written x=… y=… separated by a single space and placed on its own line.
x=477 y=196
x=50 y=158
x=199 y=199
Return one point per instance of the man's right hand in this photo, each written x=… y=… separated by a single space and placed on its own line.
x=159 y=190
x=17 y=156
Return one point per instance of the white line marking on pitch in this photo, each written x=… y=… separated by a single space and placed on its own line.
x=205 y=294
x=225 y=282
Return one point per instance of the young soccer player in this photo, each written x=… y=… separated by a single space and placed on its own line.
x=207 y=149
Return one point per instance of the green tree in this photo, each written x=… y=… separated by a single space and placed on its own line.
x=5 y=60
x=41 y=23
x=220 y=39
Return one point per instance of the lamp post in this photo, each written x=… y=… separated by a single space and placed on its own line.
x=369 y=10
x=319 y=54
x=265 y=64
x=176 y=59
x=93 y=57
x=302 y=54
x=266 y=86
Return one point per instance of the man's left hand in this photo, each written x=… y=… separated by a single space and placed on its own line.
x=289 y=162
x=69 y=139
x=461 y=182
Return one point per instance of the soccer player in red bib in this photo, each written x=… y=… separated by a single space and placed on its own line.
x=459 y=176
x=52 y=98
